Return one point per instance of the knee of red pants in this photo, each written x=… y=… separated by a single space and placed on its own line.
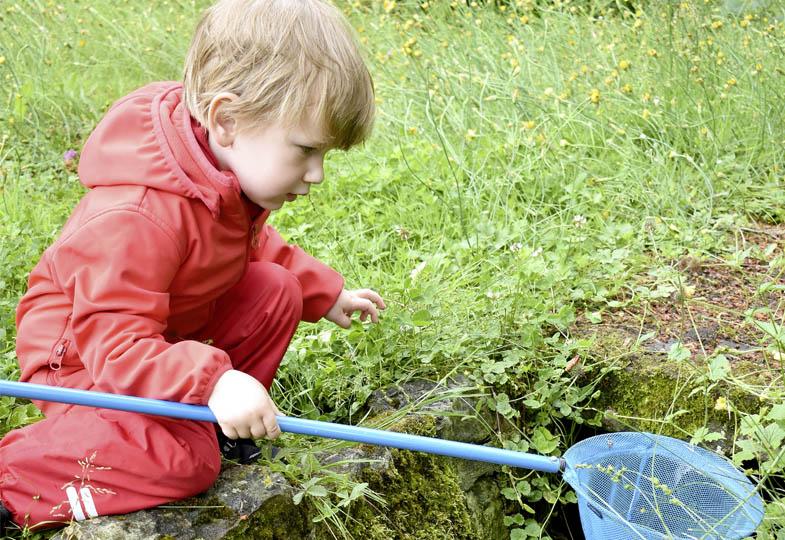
x=255 y=320
x=269 y=288
x=121 y=461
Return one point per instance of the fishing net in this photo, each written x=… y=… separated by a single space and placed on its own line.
x=639 y=485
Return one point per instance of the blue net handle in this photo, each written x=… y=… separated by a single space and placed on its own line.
x=288 y=424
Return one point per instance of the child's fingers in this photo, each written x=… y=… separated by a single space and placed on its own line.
x=229 y=431
x=345 y=321
x=243 y=432
x=271 y=426
x=373 y=296
x=367 y=307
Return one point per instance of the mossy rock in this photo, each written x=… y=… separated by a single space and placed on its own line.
x=645 y=391
x=424 y=498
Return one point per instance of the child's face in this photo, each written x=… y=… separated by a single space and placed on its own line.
x=274 y=164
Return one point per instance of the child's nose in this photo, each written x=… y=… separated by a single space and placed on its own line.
x=315 y=173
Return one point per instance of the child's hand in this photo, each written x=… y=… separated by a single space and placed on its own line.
x=364 y=300
x=243 y=407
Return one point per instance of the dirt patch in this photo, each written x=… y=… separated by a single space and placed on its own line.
x=715 y=307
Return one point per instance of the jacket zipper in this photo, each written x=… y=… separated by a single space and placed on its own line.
x=57 y=362
x=255 y=236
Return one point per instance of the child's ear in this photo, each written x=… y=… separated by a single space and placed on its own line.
x=221 y=126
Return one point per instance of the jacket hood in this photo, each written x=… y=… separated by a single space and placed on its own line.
x=148 y=138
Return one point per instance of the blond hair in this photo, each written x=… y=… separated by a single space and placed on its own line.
x=283 y=59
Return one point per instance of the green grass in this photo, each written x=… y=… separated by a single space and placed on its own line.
x=530 y=160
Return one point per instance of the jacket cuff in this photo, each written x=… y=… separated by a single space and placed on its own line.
x=320 y=291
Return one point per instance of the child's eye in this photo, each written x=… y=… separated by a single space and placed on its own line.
x=306 y=149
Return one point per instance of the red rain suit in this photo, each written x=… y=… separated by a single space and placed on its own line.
x=163 y=278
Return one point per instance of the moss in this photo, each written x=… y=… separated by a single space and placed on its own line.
x=424 y=500
x=217 y=510
x=646 y=388
x=277 y=522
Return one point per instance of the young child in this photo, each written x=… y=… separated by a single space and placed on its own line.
x=166 y=282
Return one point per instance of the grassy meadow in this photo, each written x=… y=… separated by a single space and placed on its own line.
x=533 y=161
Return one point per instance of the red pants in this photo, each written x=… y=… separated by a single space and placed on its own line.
x=83 y=462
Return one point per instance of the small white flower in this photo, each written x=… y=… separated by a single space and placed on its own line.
x=493 y=295
x=579 y=221
x=536 y=253
x=419 y=269
x=516 y=247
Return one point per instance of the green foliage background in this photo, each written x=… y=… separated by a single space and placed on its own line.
x=531 y=159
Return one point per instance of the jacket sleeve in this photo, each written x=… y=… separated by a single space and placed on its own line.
x=116 y=269
x=321 y=284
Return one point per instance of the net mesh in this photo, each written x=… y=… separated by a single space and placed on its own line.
x=640 y=485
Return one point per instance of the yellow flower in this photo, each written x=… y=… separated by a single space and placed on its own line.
x=716 y=25
x=626 y=89
x=2 y=59
x=595 y=95
x=652 y=52
x=530 y=124
x=624 y=64
x=470 y=134
x=744 y=23
x=731 y=82
x=645 y=114
x=721 y=404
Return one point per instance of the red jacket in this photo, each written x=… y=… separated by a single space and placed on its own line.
x=161 y=234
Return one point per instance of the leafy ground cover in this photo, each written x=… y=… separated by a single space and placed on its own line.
x=537 y=167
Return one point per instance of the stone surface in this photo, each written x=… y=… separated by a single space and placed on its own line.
x=220 y=511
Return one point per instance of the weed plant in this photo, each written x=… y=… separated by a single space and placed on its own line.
x=532 y=159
